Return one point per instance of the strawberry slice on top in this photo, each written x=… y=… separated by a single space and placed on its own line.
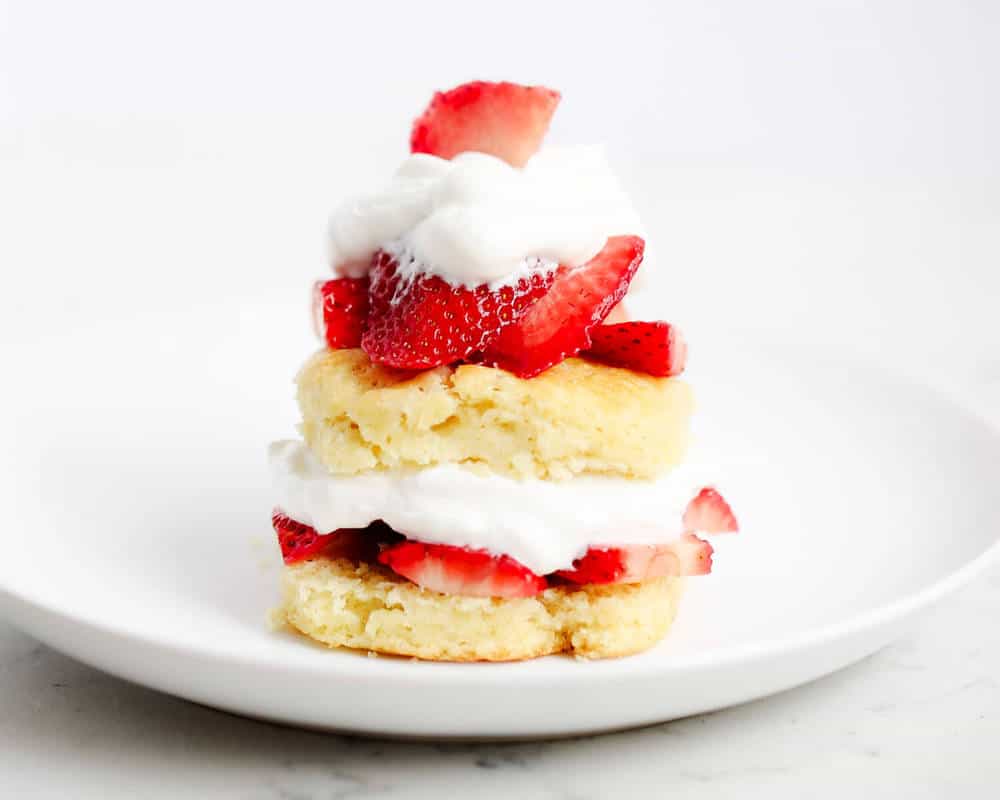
x=458 y=570
x=506 y=120
x=421 y=321
x=340 y=311
x=559 y=324
x=656 y=348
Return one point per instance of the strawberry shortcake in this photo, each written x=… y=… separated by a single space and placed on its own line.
x=490 y=467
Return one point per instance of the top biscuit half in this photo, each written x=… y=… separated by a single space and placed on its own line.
x=577 y=418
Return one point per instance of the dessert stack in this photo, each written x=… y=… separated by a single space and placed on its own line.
x=490 y=468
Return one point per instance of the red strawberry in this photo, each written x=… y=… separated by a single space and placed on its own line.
x=694 y=555
x=506 y=120
x=653 y=347
x=558 y=325
x=709 y=513
x=299 y=541
x=460 y=571
x=688 y=555
x=423 y=322
x=597 y=565
x=340 y=311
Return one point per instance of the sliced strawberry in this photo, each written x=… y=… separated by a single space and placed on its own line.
x=694 y=555
x=299 y=541
x=597 y=565
x=653 y=347
x=340 y=311
x=558 y=325
x=459 y=571
x=506 y=120
x=421 y=322
x=709 y=513
x=687 y=555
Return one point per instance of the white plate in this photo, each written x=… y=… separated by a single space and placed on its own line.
x=137 y=536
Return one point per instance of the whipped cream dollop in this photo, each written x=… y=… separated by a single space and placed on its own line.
x=543 y=524
x=475 y=219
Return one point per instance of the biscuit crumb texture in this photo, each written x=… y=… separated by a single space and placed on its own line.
x=365 y=607
x=578 y=417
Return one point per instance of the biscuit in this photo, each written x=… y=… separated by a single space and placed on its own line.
x=342 y=603
x=578 y=417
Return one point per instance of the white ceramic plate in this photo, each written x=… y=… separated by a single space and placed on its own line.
x=137 y=535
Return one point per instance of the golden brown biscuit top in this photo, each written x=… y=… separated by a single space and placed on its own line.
x=578 y=417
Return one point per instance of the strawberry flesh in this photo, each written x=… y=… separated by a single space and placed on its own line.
x=708 y=512
x=340 y=310
x=656 y=348
x=688 y=555
x=558 y=324
x=297 y=540
x=506 y=120
x=460 y=571
x=300 y=542
x=597 y=565
x=420 y=322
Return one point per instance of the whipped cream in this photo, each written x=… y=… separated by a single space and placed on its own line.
x=475 y=219
x=543 y=524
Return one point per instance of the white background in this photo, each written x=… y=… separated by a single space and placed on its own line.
x=831 y=164
x=825 y=165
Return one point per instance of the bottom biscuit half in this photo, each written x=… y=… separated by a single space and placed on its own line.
x=343 y=603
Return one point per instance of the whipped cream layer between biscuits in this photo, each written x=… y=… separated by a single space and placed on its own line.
x=544 y=525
